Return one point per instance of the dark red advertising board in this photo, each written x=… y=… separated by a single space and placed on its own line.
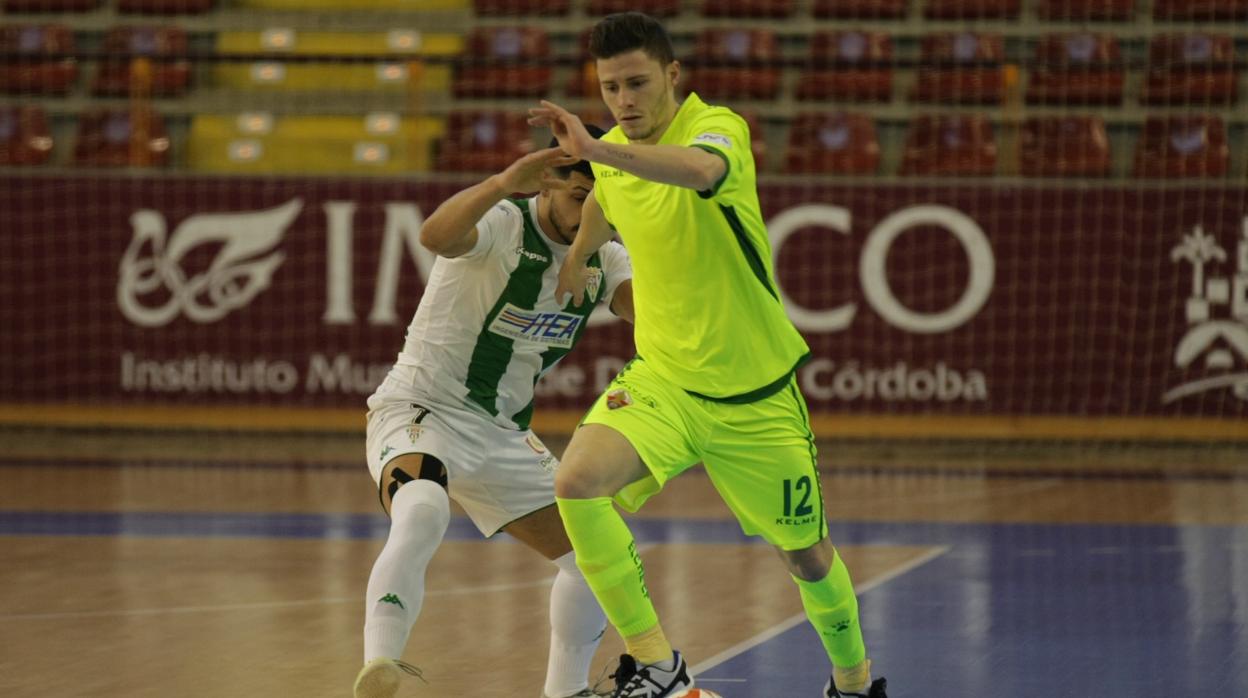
x=961 y=299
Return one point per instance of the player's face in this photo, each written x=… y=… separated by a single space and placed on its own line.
x=565 y=206
x=640 y=92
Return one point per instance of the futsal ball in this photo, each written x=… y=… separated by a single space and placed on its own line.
x=698 y=693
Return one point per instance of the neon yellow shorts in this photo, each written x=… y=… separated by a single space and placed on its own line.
x=760 y=455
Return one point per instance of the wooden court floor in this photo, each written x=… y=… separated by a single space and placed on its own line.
x=224 y=564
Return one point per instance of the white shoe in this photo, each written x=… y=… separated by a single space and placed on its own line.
x=381 y=677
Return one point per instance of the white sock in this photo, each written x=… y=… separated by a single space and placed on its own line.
x=576 y=626
x=419 y=516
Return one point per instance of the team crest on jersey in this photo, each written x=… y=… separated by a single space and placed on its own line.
x=593 y=283
x=618 y=398
x=552 y=329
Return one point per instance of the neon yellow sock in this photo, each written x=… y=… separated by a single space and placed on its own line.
x=833 y=609
x=607 y=556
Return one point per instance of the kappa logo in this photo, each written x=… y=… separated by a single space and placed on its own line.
x=535 y=256
x=151 y=267
x=1221 y=341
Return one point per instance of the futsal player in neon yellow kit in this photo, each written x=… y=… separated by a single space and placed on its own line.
x=714 y=376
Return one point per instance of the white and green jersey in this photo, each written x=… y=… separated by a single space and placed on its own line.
x=488 y=326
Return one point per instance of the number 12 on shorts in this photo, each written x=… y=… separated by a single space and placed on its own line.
x=800 y=487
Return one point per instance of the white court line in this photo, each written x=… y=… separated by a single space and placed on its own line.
x=175 y=610
x=266 y=604
x=790 y=623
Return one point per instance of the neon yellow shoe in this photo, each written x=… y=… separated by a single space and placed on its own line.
x=381 y=677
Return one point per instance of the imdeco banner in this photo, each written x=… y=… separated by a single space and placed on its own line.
x=967 y=299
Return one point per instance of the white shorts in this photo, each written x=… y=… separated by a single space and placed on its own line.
x=497 y=475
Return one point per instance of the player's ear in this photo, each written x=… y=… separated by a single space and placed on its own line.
x=673 y=73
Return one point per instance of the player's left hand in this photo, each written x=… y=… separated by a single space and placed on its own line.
x=567 y=127
x=573 y=279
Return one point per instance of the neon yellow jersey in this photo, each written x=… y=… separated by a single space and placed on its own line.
x=709 y=317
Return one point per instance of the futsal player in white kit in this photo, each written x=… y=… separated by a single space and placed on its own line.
x=452 y=417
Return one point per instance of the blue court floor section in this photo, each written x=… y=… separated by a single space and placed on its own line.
x=1010 y=610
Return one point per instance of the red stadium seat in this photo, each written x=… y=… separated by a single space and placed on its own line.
x=654 y=8
x=1200 y=9
x=511 y=8
x=1190 y=68
x=49 y=5
x=736 y=63
x=483 y=141
x=848 y=65
x=961 y=68
x=166 y=48
x=859 y=9
x=164 y=7
x=959 y=145
x=24 y=136
x=971 y=9
x=772 y=9
x=832 y=143
x=504 y=62
x=1077 y=69
x=1182 y=146
x=1065 y=146
x=121 y=138
x=1112 y=10
x=38 y=73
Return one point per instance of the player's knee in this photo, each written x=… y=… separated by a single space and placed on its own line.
x=810 y=564
x=579 y=483
x=412 y=468
x=423 y=506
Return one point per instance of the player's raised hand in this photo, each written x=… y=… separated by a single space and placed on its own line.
x=573 y=279
x=566 y=126
x=533 y=172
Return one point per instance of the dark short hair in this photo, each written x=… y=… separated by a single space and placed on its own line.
x=629 y=31
x=581 y=166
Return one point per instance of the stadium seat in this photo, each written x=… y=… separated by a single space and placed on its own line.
x=121 y=138
x=504 y=62
x=1077 y=69
x=38 y=73
x=959 y=145
x=654 y=8
x=859 y=9
x=261 y=143
x=166 y=46
x=49 y=5
x=1190 y=69
x=483 y=141
x=971 y=9
x=1182 y=146
x=1099 y=10
x=961 y=68
x=736 y=63
x=512 y=8
x=849 y=65
x=1064 y=146
x=770 y=9
x=832 y=143
x=164 y=7
x=1204 y=10
x=24 y=136
x=401 y=64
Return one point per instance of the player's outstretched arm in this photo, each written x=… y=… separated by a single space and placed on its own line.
x=594 y=233
x=692 y=168
x=452 y=229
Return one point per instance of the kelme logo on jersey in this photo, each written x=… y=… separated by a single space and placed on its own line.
x=549 y=328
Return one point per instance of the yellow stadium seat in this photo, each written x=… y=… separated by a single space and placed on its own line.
x=379 y=143
x=355 y=5
x=407 y=70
